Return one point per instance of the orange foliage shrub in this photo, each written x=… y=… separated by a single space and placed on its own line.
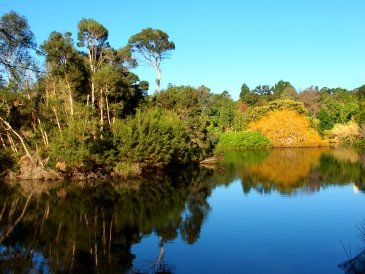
x=287 y=128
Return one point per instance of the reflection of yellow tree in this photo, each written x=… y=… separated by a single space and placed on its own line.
x=287 y=128
x=286 y=167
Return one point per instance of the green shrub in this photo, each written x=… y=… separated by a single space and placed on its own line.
x=72 y=145
x=230 y=141
x=153 y=138
x=279 y=104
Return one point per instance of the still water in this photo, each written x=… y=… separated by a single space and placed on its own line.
x=277 y=211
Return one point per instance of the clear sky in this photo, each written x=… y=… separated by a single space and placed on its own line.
x=223 y=44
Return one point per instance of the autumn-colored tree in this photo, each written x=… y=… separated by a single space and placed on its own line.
x=287 y=128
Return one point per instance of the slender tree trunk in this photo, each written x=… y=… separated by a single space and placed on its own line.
x=70 y=97
x=9 y=128
x=92 y=69
x=2 y=142
x=11 y=142
x=107 y=106
x=101 y=106
x=92 y=94
x=43 y=133
x=58 y=121
x=158 y=80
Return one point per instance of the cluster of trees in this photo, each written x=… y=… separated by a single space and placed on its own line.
x=68 y=110
x=84 y=110
x=326 y=108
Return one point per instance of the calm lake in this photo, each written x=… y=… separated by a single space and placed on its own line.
x=276 y=211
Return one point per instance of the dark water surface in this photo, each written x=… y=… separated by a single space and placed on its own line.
x=278 y=211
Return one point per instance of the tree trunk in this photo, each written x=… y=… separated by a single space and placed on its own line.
x=9 y=128
x=158 y=80
x=43 y=133
x=11 y=142
x=58 y=122
x=92 y=94
x=2 y=142
x=107 y=106
x=101 y=107
x=70 y=97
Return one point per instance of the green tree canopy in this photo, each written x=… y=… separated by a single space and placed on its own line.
x=154 y=46
x=16 y=39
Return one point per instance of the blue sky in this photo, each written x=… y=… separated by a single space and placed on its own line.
x=223 y=44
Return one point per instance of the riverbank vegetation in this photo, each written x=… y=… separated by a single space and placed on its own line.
x=83 y=112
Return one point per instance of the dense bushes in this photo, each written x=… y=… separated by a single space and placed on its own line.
x=72 y=144
x=153 y=138
x=230 y=141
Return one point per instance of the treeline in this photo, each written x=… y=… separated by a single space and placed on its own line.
x=83 y=111
x=291 y=118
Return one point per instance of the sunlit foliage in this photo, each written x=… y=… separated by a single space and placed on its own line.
x=287 y=128
x=347 y=133
x=155 y=138
x=229 y=141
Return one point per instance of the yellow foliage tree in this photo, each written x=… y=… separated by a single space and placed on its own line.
x=287 y=128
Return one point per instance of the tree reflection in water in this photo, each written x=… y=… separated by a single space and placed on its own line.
x=289 y=171
x=92 y=229
x=64 y=227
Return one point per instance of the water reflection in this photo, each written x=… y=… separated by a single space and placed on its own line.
x=92 y=227
x=291 y=171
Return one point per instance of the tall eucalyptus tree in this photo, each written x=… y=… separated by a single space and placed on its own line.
x=153 y=45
